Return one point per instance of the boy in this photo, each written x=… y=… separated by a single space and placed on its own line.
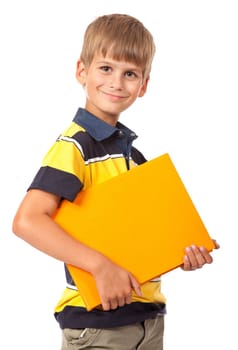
x=114 y=69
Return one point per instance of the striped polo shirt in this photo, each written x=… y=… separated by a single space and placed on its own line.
x=89 y=152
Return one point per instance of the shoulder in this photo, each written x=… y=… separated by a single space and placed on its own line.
x=73 y=129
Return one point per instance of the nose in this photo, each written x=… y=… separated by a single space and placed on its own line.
x=116 y=82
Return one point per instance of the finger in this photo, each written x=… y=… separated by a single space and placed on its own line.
x=206 y=255
x=217 y=245
x=195 y=257
x=186 y=264
x=114 y=304
x=200 y=259
x=121 y=302
x=192 y=261
x=106 y=305
x=128 y=299
x=135 y=286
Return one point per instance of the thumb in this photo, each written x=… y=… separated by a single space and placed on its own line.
x=135 y=285
x=217 y=245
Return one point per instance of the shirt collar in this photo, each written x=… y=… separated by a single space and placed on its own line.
x=99 y=129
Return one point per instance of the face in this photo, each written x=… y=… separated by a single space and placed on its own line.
x=111 y=86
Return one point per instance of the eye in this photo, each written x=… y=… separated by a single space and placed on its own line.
x=131 y=74
x=105 y=68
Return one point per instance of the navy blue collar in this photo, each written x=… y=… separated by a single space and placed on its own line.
x=99 y=129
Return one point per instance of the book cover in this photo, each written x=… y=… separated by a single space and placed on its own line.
x=141 y=219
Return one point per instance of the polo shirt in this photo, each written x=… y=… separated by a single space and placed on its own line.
x=89 y=152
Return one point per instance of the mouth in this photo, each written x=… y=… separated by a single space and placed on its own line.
x=114 y=97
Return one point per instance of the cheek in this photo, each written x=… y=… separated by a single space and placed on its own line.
x=136 y=92
x=95 y=82
x=134 y=88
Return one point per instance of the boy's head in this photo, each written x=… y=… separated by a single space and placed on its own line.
x=121 y=37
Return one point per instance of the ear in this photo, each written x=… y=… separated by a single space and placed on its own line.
x=143 y=87
x=81 y=73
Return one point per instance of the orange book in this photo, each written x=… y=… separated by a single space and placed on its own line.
x=141 y=219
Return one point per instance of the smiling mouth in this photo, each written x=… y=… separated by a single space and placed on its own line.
x=113 y=96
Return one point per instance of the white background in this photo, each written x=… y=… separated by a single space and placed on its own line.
x=190 y=111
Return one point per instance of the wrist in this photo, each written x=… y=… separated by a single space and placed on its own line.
x=97 y=263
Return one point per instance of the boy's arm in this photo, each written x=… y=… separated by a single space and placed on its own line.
x=33 y=223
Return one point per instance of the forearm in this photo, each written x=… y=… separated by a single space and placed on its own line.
x=44 y=234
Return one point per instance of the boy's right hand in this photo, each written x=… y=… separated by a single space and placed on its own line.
x=115 y=285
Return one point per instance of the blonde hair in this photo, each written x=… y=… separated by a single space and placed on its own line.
x=121 y=36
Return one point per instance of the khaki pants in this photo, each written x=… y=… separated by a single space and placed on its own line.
x=147 y=335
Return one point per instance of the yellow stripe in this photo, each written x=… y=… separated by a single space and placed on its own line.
x=151 y=292
x=66 y=157
x=73 y=129
x=70 y=297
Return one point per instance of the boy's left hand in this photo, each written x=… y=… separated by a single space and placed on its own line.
x=195 y=257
